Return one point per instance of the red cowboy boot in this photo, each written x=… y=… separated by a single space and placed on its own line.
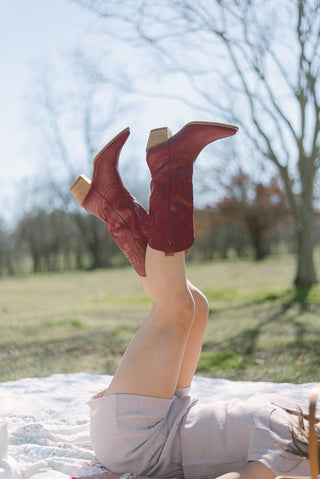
x=170 y=160
x=106 y=197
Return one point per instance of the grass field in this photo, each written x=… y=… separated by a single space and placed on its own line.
x=260 y=327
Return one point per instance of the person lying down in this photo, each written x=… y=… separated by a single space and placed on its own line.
x=146 y=422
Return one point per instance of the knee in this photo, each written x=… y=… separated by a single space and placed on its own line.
x=184 y=305
x=201 y=307
x=181 y=306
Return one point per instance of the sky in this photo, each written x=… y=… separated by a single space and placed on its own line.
x=31 y=32
x=34 y=33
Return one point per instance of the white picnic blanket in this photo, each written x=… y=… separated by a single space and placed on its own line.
x=48 y=418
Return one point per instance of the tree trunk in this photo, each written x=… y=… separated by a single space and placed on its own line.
x=256 y=238
x=305 y=269
x=258 y=247
x=95 y=254
x=302 y=214
x=36 y=262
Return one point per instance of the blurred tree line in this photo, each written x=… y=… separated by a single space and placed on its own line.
x=251 y=220
x=251 y=63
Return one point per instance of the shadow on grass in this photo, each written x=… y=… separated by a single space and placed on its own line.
x=239 y=351
x=287 y=297
x=300 y=295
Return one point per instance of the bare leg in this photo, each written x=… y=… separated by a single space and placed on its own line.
x=252 y=470
x=152 y=362
x=194 y=345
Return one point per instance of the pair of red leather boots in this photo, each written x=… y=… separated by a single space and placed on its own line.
x=168 y=226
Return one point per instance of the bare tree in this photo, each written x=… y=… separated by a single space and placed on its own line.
x=255 y=62
x=218 y=234
x=7 y=260
x=258 y=207
x=71 y=123
x=57 y=241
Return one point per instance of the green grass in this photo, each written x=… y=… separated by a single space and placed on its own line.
x=259 y=328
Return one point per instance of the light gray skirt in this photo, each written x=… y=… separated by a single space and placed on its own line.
x=181 y=438
x=140 y=434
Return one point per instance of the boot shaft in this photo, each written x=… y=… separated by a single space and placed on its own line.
x=170 y=160
x=105 y=172
x=106 y=197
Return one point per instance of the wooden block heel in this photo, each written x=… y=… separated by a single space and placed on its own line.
x=81 y=188
x=158 y=136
